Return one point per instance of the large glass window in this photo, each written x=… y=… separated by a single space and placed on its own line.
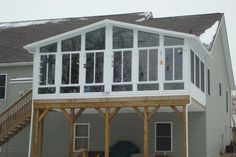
x=70 y=73
x=148 y=68
x=3 y=82
x=197 y=71
x=163 y=137
x=122 y=38
x=94 y=71
x=146 y=39
x=122 y=70
x=82 y=136
x=173 y=64
x=47 y=73
x=95 y=40
x=192 y=66
x=208 y=82
x=202 y=77
x=71 y=44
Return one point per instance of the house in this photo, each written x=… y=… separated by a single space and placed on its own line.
x=163 y=84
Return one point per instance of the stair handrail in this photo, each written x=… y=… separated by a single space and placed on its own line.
x=4 y=113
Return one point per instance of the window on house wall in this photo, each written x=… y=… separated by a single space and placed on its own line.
x=208 y=82
x=202 y=77
x=148 y=61
x=163 y=137
x=47 y=69
x=220 y=89
x=3 y=82
x=122 y=59
x=192 y=66
x=95 y=45
x=197 y=71
x=227 y=101
x=82 y=136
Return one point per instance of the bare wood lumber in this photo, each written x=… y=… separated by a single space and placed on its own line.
x=153 y=112
x=100 y=112
x=114 y=113
x=177 y=111
x=71 y=133
x=145 y=132
x=78 y=114
x=107 y=132
x=138 y=112
x=43 y=114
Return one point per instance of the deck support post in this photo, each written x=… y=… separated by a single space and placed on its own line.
x=145 y=133
x=71 y=132
x=37 y=140
x=185 y=131
x=107 y=132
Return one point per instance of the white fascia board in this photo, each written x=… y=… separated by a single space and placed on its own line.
x=31 y=47
x=16 y=64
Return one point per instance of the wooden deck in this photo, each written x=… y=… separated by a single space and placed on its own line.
x=145 y=107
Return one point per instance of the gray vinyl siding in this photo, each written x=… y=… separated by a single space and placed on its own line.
x=218 y=121
x=124 y=127
x=13 y=90
x=18 y=145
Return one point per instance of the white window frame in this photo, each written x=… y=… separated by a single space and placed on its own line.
x=171 y=126
x=148 y=59
x=4 y=86
x=78 y=137
x=173 y=60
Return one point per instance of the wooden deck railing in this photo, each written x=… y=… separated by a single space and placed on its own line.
x=16 y=113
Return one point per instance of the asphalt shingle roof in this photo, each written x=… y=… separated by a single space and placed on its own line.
x=12 y=39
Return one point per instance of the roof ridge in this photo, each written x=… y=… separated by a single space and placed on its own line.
x=182 y=16
x=67 y=18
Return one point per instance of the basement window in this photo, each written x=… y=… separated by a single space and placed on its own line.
x=3 y=80
x=163 y=136
x=81 y=136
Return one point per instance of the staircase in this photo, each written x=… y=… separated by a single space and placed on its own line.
x=15 y=118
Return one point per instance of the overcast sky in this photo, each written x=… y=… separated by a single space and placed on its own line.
x=21 y=10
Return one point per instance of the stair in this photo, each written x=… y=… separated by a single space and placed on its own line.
x=15 y=118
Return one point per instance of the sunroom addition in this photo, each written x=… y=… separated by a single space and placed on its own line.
x=111 y=60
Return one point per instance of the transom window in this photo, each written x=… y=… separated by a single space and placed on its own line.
x=95 y=40
x=82 y=136
x=3 y=82
x=122 y=38
x=71 y=44
x=163 y=137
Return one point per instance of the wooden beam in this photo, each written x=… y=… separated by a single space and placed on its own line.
x=78 y=114
x=177 y=111
x=145 y=132
x=67 y=115
x=43 y=114
x=107 y=132
x=113 y=102
x=153 y=112
x=71 y=133
x=138 y=112
x=100 y=112
x=116 y=110
x=184 y=132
